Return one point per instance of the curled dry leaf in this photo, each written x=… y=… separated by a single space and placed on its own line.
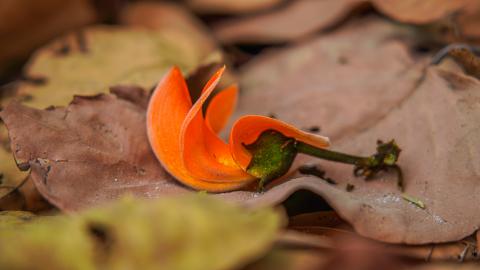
x=231 y=7
x=330 y=74
x=189 y=232
x=438 y=128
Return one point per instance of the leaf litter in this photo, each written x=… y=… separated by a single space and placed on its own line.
x=109 y=167
x=375 y=209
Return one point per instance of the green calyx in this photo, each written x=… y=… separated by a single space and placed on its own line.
x=273 y=154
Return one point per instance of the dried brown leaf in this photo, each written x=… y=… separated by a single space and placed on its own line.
x=92 y=151
x=325 y=76
x=438 y=129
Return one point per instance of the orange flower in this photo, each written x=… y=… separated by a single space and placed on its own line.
x=186 y=142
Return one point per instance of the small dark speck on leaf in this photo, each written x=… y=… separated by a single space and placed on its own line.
x=63 y=50
x=1 y=178
x=81 y=41
x=315 y=171
x=26 y=98
x=101 y=234
x=313 y=129
x=330 y=180
x=26 y=218
x=23 y=166
x=350 y=187
x=342 y=60
x=272 y=115
x=35 y=80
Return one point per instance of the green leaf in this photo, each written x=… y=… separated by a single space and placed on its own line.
x=190 y=232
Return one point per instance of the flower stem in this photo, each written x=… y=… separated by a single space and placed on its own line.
x=273 y=154
x=330 y=155
x=384 y=159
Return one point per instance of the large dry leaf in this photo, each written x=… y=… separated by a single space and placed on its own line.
x=27 y=24
x=438 y=130
x=231 y=7
x=94 y=150
x=342 y=82
x=190 y=232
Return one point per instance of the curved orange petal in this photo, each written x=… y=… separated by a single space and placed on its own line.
x=205 y=155
x=220 y=108
x=247 y=129
x=167 y=110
